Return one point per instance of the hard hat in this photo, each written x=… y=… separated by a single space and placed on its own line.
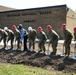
x=29 y=28
x=39 y=29
x=63 y=25
x=13 y=27
x=49 y=27
x=5 y=28
x=74 y=29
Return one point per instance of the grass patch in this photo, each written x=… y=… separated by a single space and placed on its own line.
x=16 y=69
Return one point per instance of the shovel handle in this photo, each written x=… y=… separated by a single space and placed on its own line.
x=48 y=47
x=63 y=50
x=75 y=50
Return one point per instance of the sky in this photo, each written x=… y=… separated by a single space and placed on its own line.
x=25 y=4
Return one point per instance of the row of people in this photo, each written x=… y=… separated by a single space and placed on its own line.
x=54 y=37
x=15 y=34
x=22 y=35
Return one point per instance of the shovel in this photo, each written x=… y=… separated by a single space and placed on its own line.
x=6 y=48
x=62 y=55
x=6 y=44
x=22 y=45
x=14 y=44
x=74 y=57
x=31 y=49
x=48 y=51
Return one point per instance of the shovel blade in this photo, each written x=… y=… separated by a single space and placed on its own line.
x=6 y=48
x=62 y=55
x=74 y=57
x=14 y=48
x=47 y=52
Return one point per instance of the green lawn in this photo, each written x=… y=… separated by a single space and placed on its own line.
x=15 y=69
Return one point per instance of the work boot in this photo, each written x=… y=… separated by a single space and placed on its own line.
x=43 y=51
x=11 y=48
x=65 y=53
x=6 y=48
x=39 y=51
x=52 y=53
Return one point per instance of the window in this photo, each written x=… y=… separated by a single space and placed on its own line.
x=28 y=21
x=25 y=14
x=13 y=15
x=46 y=12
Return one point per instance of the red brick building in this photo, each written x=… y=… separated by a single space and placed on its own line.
x=53 y=15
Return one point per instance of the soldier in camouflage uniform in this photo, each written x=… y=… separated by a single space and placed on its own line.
x=17 y=36
x=75 y=35
x=53 y=36
x=75 y=42
x=3 y=36
x=32 y=36
x=10 y=36
x=42 y=39
x=67 y=39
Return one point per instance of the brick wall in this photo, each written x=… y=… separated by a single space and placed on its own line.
x=71 y=20
x=54 y=16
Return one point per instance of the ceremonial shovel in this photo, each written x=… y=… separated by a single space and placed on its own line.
x=74 y=57
x=48 y=51
x=62 y=55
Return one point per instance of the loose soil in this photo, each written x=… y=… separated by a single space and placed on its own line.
x=51 y=62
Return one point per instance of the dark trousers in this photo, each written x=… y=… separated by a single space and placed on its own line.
x=25 y=42
x=42 y=45
x=67 y=47
x=18 y=44
x=4 y=41
x=54 y=46
x=32 y=43
x=12 y=40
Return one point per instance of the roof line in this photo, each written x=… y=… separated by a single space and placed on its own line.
x=34 y=8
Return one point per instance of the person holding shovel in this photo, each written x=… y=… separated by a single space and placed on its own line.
x=67 y=39
x=74 y=35
x=10 y=36
x=24 y=36
x=74 y=29
x=32 y=34
x=4 y=37
x=42 y=39
x=53 y=36
x=17 y=35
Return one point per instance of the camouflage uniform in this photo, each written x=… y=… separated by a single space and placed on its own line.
x=75 y=42
x=32 y=36
x=10 y=37
x=4 y=36
x=67 y=42
x=74 y=36
x=53 y=36
x=42 y=40
x=17 y=36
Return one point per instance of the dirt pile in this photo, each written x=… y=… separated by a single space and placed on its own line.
x=38 y=59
